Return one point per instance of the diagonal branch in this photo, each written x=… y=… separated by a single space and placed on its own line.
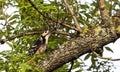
x=78 y=46
x=72 y=63
x=73 y=15
x=74 y=48
x=103 y=11
x=69 y=26
x=49 y=18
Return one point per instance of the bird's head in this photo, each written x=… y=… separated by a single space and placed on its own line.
x=46 y=34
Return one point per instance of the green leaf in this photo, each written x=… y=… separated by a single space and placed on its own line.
x=11 y=45
x=15 y=16
x=88 y=15
x=1 y=35
x=25 y=67
x=87 y=56
x=84 y=6
x=77 y=64
x=2 y=17
x=109 y=49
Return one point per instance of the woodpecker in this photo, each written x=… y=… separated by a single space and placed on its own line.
x=40 y=45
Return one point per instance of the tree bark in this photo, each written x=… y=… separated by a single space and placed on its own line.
x=93 y=40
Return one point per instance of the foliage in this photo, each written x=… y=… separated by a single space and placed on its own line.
x=27 y=19
x=98 y=64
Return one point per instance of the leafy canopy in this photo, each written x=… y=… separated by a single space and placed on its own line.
x=27 y=19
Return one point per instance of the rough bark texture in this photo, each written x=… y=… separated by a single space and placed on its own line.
x=94 y=39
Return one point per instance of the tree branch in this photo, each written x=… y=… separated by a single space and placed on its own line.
x=103 y=11
x=2 y=41
x=72 y=63
x=49 y=18
x=107 y=58
x=73 y=15
x=76 y=47
x=61 y=32
x=69 y=26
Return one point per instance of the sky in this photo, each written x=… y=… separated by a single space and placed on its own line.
x=115 y=46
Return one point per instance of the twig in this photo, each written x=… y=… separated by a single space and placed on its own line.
x=69 y=26
x=61 y=32
x=107 y=58
x=73 y=15
x=49 y=18
x=72 y=62
x=103 y=11
x=110 y=10
x=2 y=41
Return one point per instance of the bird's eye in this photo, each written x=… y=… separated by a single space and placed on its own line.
x=46 y=31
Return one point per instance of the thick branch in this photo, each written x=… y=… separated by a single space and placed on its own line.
x=103 y=11
x=74 y=48
x=73 y=15
x=71 y=50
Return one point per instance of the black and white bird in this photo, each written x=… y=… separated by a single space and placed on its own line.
x=40 y=45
